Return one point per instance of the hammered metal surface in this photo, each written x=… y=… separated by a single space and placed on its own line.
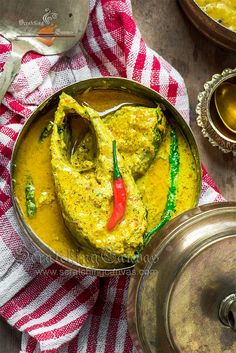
x=180 y=280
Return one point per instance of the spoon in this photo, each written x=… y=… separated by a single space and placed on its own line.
x=103 y=113
x=47 y=27
x=225 y=102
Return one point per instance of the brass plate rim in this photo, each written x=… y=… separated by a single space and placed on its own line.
x=209 y=27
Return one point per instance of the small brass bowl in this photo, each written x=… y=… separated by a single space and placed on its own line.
x=212 y=29
x=208 y=118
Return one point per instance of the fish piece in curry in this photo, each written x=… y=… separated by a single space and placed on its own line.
x=48 y=223
x=138 y=132
x=86 y=196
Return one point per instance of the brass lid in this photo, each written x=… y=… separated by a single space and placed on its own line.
x=182 y=295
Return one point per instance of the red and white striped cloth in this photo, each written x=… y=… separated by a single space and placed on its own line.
x=59 y=311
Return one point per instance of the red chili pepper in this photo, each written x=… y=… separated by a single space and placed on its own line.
x=119 y=201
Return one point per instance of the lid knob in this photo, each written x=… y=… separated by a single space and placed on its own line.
x=227 y=311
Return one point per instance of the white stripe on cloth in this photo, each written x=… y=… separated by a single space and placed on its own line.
x=70 y=317
x=6 y=117
x=132 y=57
x=107 y=38
x=83 y=336
x=121 y=332
x=122 y=326
x=56 y=342
x=31 y=77
x=34 y=255
x=64 y=349
x=18 y=275
x=25 y=340
x=146 y=73
x=4 y=186
x=56 y=309
x=15 y=275
x=209 y=195
x=46 y=293
x=105 y=319
x=7 y=132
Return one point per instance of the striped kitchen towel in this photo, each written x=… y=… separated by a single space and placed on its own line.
x=59 y=311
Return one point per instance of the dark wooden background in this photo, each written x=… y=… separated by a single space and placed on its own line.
x=166 y=30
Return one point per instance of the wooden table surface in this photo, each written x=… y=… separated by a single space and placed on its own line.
x=166 y=30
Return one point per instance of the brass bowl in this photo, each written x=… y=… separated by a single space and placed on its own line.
x=74 y=89
x=208 y=118
x=212 y=29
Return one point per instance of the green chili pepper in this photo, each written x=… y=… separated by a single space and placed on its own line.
x=30 y=198
x=46 y=131
x=171 y=197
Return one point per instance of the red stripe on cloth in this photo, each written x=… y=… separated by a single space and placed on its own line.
x=73 y=345
x=5 y=48
x=172 y=90
x=4 y=173
x=65 y=289
x=17 y=107
x=105 y=48
x=66 y=329
x=16 y=119
x=31 y=345
x=3 y=109
x=119 y=13
x=97 y=61
x=47 y=305
x=128 y=343
x=97 y=312
x=16 y=246
x=155 y=75
x=208 y=179
x=115 y=315
x=140 y=61
x=114 y=27
x=9 y=132
x=3 y=197
x=29 y=293
x=6 y=206
x=30 y=56
x=5 y=151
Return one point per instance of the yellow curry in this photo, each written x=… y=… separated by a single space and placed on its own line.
x=73 y=187
x=223 y=11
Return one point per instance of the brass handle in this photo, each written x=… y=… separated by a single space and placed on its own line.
x=227 y=311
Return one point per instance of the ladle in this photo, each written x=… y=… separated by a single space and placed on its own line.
x=47 y=27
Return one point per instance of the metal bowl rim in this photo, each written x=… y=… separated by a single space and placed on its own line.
x=168 y=232
x=224 y=28
x=31 y=235
x=210 y=97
